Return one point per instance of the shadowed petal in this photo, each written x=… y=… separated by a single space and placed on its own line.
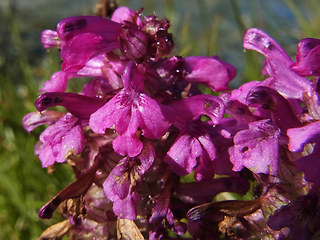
x=281 y=111
x=307 y=58
x=193 y=107
x=121 y=185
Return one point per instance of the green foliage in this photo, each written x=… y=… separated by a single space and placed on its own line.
x=206 y=27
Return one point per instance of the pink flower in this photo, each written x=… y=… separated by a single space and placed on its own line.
x=298 y=138
x=130 y=110
x=60 y=140
x=50 y=38
x=122 y=182
x=78 y=105
x=307 y=58
x=35 y=119
x=210 y=71
x=277 y=65
x=256 y=148
x=85 y=37
x=279 y=108
x=194 y=145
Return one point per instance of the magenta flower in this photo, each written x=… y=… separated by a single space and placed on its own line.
x=277 y=65
x=100 y=88
x=130 y=110
x=307 y=58
x=194 y=145
x=160 y=41
x=256 y=148
x=240 y=112
x=309 y=133
x=282 y=114
x=162 y=213
x=240 y=94
x=106 y=66
x=35 y=119
x=60 y=140
x=134 y=42
x=58 y=82
x=190 y=109
x=85 y=37
x=50 y=39
x=141 y=123
x=78 y=105
x=309 y=163
x=210 y=71
x=125 y=14
x=123 y=181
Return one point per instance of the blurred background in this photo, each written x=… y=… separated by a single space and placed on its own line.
x=199 y=27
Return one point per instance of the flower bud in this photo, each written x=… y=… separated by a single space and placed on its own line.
x=133 y=42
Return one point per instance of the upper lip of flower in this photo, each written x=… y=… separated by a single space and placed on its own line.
x=79 y=105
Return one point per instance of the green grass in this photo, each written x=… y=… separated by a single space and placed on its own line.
x=199 y=27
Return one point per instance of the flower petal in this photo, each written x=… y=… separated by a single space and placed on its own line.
x=307 y=58
x=78 y=105
x=35 y=119
x=182 y=156
x=282 y=78
x=121 y=185
x=85 y=37
x=60 y=140
x=50 y=38
x=211 y=72
x=127 y=208
x=310 y=165
x=82 y=48
x=73 y=26
x=123 y=14
x=127 y=144
x=58 y=82
x=193 y=107
x=256 y=148
x=281 y=111
x=298 y=137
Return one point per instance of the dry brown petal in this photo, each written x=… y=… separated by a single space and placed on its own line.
x=128 y=230
x=73 y=207
x=56 y=231
x=233 y=208
x=74 y=190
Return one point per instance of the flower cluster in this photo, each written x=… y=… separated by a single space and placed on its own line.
x=141 y=124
